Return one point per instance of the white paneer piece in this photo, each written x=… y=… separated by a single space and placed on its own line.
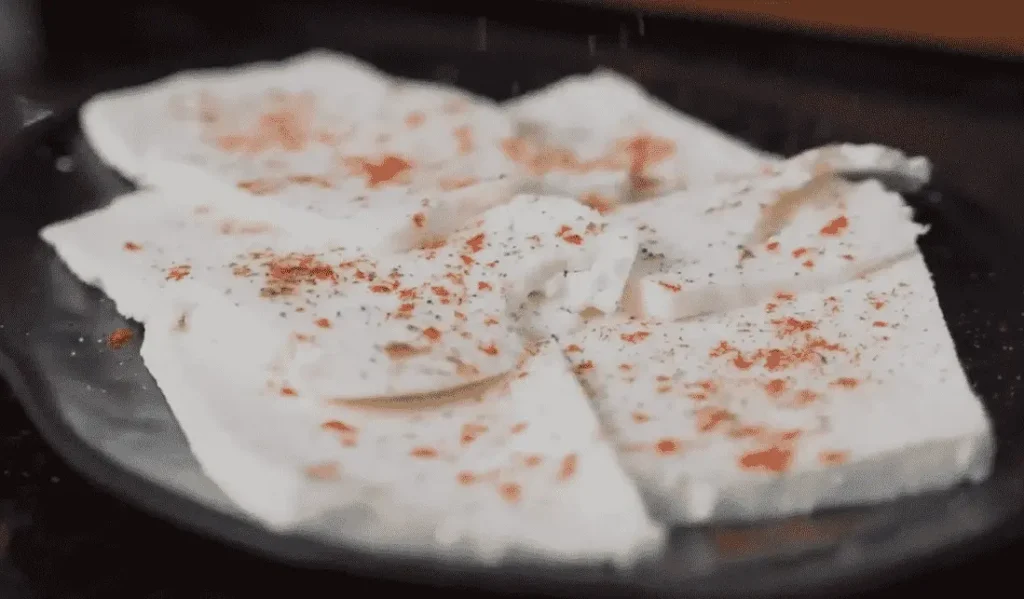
x=810 y=400
x=517 y=467
x=696 y=250
x=141 y=246
x=318 y=138
x=348 y=324
x=601 y=137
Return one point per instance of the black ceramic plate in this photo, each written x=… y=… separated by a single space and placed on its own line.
x=100 y=409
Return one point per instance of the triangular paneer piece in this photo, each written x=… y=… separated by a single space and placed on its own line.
x=808 y=400
x=346 y=323
x=604 y=139
x=315 y=139
x=519 y=467
x=733 y=244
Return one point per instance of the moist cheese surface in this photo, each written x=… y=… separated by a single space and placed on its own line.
x=369 y=325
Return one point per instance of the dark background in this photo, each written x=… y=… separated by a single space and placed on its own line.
x=61 y=538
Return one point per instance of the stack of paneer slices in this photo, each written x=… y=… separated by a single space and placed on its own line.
x=556 y=326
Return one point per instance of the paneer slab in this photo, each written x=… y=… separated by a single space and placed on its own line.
x=141 y=247
x=733 y=244
x=602 y=138
x=519 y=467
x=809 y=400
x=349 y=324
x=315 y=139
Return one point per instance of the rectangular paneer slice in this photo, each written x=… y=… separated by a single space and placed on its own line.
x=141 y=247
x=697 y=255
x=517 y=467
x=347 y=323
x=812 y=400
x=315 y=139
x=602 y=138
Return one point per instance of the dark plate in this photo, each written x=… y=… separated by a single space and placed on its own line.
x=99 y=408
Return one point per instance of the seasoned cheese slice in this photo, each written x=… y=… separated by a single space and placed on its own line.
x=316 y=139
x=129 y=127
x=347 y=323
x=700 y=250
x=516 y=468
x=602 y=138
x=849 y=395
x=142 y=247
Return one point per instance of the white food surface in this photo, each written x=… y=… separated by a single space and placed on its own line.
x=851 y=394
x=360 y=325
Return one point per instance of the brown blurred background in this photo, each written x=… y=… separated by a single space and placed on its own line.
x=978 y=26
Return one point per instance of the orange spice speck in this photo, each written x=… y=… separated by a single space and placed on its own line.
x=845 y=382
x=709 y=419
x=119 y=338
x=879 y=324
x=772 y=246
x=389 y=169
x=322 y=471
x=574 y=239
x=338 y=427
x=490 y=349
x=131 y=246
x=667 y=446
x=419 y=219
x=423 y=452
x=833 y=458
x=415 y=119
x=598 y=202
x=746 y=432
x=573 y=349
x=775 y=359
x=636 y=337
x=799 y=252
x=453 y=183
x=532 y=461
x=742 y=363
x=519 y=427
x=807 y=264
x=568 y=467
x=432 y=333
x=471 y=432
x=835 y=227
x=288 y=392
x=640 y=417
x=484 y=286
x=476 y=242
x=806 y=396
x=177 y=273
x=323 y=323
x=464 y=139
x=671 y=287
x=775 y=387
x=584 y=366
x=784 y=296
x=510 y=492
x=465 y=477
x=773 y=459
x=790 y=325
